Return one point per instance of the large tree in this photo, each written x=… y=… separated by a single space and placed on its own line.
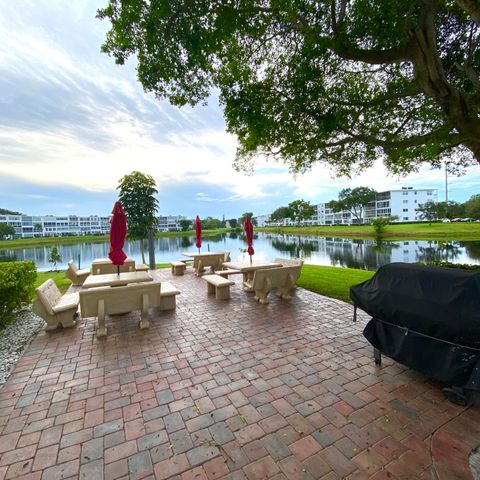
x=354 y=201
x=428 y=211
x=137 y=192
x=340 y=81
x=6 y=231
x=472 y=207
x=300 y=210
x=280 y=214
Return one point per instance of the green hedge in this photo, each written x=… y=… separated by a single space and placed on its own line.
x=17 y=280
x=463 y=266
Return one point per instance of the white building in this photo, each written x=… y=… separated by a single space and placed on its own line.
x=27 y=226
x=402 y=203
x=170 y=223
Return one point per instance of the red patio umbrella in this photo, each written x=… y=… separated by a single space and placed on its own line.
x=198 y=233
x=248 y=227
x=118 y=231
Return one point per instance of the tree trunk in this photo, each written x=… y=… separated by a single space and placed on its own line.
x=142 y=250
x=472 y=8
x=430 y=76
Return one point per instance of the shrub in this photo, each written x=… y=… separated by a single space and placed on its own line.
x=17 y=281
x=379 y=224
x=464 y=266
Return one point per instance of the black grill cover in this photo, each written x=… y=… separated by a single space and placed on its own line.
x=426 y=318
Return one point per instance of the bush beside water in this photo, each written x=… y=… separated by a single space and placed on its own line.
x=17 y=287
x=463 y=266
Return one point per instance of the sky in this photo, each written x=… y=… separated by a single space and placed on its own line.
x=72 y=123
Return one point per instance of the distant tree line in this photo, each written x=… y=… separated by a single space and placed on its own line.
x=442 y=210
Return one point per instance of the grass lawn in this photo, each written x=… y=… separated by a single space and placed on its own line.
x=59 y=278
x=332 y=282
x=416 y=231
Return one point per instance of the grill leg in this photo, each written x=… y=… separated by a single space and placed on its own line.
x=377 y=355
x=354 y=313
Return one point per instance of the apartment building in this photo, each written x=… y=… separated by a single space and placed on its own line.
x=401 y=203
x=170 y=223
x=27 y=226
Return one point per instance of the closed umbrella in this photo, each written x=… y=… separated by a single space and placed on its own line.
x=118 y=231
x=198 y=233
x=248 y=227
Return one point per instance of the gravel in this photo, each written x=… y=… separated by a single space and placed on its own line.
x=14 y=339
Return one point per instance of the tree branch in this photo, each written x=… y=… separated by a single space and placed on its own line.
x=382 y=98
x=472 y=7
x=453 y=139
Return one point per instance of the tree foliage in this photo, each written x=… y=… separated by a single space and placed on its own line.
x=451 y=210
x=300 y=210
x=339 y=81
x=280 y=214
x=6 y=231
x=248 y=214
x=353 y=200
x=185 y=224
x=54 y=257
x=4 y=211
x=428 y=211
x=211 y=223
x=233 y=222
x=136 y=195
x=380 y=224
x=472 y=207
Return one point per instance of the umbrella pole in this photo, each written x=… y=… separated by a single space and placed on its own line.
x=250 y=260
x=118 y=270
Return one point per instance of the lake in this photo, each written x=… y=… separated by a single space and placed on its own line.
x=342 y=252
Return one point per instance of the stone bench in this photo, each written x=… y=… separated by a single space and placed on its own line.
x=218 y=285
x=56 y=309
x=228 y=271
x=141 y=267
x=102 y=266
x=282 y=278
x=178 y=267
x=214 y=261
x=101 y=301
x=76 y=276
x=168 y=296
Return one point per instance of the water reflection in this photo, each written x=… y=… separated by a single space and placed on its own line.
x=342 y=252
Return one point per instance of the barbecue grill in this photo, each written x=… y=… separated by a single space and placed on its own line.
x=427 y=318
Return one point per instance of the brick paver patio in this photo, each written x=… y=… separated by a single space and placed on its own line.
x=227 y=389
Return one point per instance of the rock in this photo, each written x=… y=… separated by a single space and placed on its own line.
x=15 y=338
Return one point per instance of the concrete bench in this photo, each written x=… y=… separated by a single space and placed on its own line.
x=168 y=296
x=56 y=309
x=282 y=278
x=76 y=276
x=141 y=267
x=218 y=285
x=228 y=271
x=101 y=301
x=289 y=262
x=214 y=261
x=101 y=266
x=178 y=267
